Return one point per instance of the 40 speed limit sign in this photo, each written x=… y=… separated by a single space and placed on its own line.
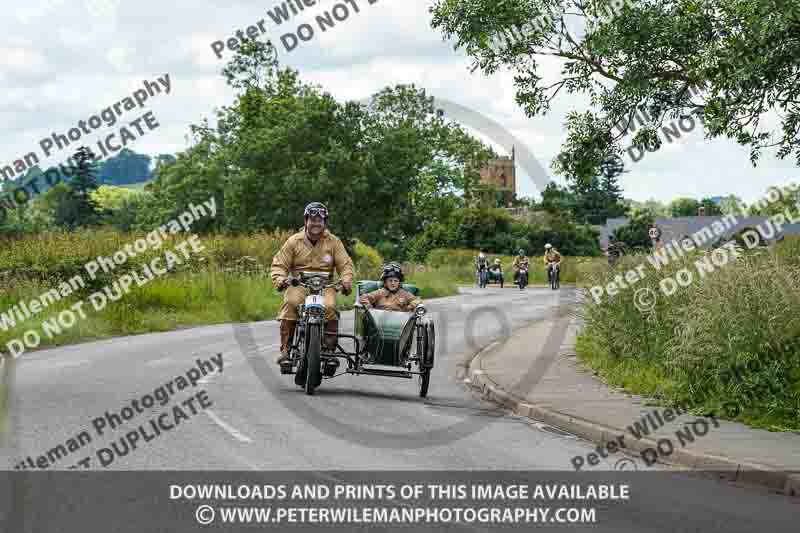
x=655 y=233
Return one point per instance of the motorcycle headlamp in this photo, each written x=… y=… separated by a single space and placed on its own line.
x=420 y=310
x=316 y=283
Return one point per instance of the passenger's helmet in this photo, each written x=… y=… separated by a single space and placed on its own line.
x=392 y=270
x=548 y=246
x=481 y=255
x=314 y=209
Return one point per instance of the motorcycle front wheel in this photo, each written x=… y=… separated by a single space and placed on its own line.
x=313 y=350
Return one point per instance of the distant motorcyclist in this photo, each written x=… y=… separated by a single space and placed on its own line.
x=552 y=259
x=391 y=297
x=313 y=248
x=482 y=262
x=520 y=261
x=497 y=270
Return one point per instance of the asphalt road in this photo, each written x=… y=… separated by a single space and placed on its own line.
x=259 y=420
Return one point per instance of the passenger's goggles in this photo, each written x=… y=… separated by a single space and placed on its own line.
x=317 y=212
x=392 y=272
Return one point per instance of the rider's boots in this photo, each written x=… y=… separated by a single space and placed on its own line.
x=331 y=329
x=287 y=334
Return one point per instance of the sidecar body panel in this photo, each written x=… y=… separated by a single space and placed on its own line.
x=494 y=277
x=387 y=334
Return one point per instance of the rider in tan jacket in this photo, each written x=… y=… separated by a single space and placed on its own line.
x=314 y=248
x=520 y=261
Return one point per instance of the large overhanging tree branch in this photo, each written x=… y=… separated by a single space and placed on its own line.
x=734 y=63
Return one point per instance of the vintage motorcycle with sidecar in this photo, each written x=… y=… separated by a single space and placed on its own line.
x=384 y=343
x=495 y=276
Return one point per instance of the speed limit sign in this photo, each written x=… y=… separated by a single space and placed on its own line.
x=655 y=233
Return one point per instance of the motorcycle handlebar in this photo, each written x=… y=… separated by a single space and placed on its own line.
x=295 y=282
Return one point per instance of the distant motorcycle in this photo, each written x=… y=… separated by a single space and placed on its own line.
x=554 y=275
x=522 y=277
x=482 y=275
x=495 y=275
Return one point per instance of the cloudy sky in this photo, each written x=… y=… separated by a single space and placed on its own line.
x=62 y=61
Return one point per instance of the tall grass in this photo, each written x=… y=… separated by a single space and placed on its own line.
x=727 y=344
x=227 y=282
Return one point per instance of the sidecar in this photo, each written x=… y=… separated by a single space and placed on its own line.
x=495 y=277
x=392 y=343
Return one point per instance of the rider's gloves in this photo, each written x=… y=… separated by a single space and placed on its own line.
x=283 y=284
x=347 y=287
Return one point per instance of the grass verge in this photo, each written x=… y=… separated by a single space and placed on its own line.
x=727 y=344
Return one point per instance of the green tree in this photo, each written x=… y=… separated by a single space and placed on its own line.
x=784 y=200
x=652 y=206
x=125 y=168
x=730 y=62
x=77 y=207
x=710 y=207
x=610 y=171
x=557 y=199
x=635 y=234
x=684 y=207
x=731 y=204
x=386 y=171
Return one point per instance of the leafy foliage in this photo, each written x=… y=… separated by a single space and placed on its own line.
x=635 y=234
x=386 y=172
x=732 y=62
x=75 y=207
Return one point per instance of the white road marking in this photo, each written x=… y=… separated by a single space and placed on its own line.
x=230 y=429
x=160 y=362
x=53 y=364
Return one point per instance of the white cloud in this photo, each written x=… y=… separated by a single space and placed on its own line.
x=60 y=67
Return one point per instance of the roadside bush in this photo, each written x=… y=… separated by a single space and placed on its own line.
x=728 y=345
x=368 y=262
x=496 y=232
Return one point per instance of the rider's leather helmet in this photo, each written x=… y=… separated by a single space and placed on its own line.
x=548 y=246
x=392 y=270
x=521 y=252
x=314 y=209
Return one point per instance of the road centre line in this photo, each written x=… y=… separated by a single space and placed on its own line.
x=236 y=434
x=160 y=362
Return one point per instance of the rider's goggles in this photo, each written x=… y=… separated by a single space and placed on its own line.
x=317 y=212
